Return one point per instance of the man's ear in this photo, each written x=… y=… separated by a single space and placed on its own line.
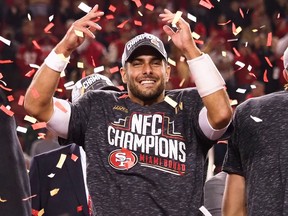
x=123 y=74
x=285 y=74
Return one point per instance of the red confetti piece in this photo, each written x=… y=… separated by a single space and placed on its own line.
x=233 y=28
x=41 y=135
x=121 y=87
x=114 y=69
x=137 y=23
x=112 y=8
x=48 y=27
x=83 y=74
x=35 y=43
x=1 y=75
x=10 y=98
x=35 y=212
x=236 y=52
x=79 y=208
x=74 y=157
x=123 y=96
x=6 y=61
x=21 y=100
x=252 y=74
x=39 y=125
x=60 y=106
x=137 y=2
x=93 y=62
x=5 y=110
x=265 y=79
x=268 y=61
x=35 y=93
x=241 y=13
x=269 y=39
x=199 y=42
x=30 y=73
x=109 y=16
x=149 y=7
x=6 y=89
x=224 y=23
x=207 y=4
x=122 y=24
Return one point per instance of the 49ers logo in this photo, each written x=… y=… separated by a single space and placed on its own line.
x=122 y=159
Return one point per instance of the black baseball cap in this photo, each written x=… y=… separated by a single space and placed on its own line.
x=144 y=39
x=92 y=82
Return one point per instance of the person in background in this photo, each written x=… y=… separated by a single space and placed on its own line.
x=73 y=197
x=15 y=188
x=256 y=160
x=146 y=148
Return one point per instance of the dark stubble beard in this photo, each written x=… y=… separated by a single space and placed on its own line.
x=147 y=95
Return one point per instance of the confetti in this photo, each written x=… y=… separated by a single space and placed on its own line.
x=233 y=102
x=54 y=191
x=36 y=45
x=121 y=25
x=7 y=42
x=70 y=83
x=80 y=65
x=99 y=69
x=38 y=125
x=176 y=17
x=149 y=7
x=60 y=106
x=112 y=8
x=114 y=69
x=3 y=87
x=137 y=23
x=28 y=198
x=30 y=73
x=137 y=2
x=252 y=74
x=256 y=119
x=191 y=17
x=61 y=161
x=74 y=157
x=241 y=13
x=79 y=33
x=172 y=62
x=79 y=208
x=21 y=129
x=7 y=111
x=29 y=16
x=182 y=82
x=240 y=90
x=236 y=52
x=207 y=4
x=10 y=98
x=249 y=68
x=139 y=12
x=240 y=64
x=6 y=61
x=269 y=39
x=2 y=200
x=82 y=6
x=41 y=212
x=222 y=24
x=109 y=16
x=1 y=75
x=48 y=27
x=205 y=211
x=195 y=35
x=51 y=175
x=51 y=18
x=268 y=61
x=265 y=78
x=30 y=119
x=170 y=101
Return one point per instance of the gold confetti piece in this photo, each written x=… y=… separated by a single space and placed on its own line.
x=176 y=17
x=233 y=102
x=41 y=212
x=54 y=191
x=30 y=119
x=51 y=175
x=2 y=200
x=224 y=53
x=61 y=161
x=237 y=30
x=205 y=211
x=170 y=101
x=80 y=65
x=256 y=119
x=79 y=33
x=195 y=35
x=84 y=7
x=172 y=62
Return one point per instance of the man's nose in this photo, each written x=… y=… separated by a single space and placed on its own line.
x=147 y=69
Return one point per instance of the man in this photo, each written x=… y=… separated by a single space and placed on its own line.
x=257 y=157
x=145 y=150
x=46 y=175
x=15 y=189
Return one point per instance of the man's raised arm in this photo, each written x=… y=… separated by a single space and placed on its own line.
x=38 y=99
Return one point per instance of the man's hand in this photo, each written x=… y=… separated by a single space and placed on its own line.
x=78 y=31
x=182 y=38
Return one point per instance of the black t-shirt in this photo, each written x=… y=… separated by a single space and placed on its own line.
x=142 y=160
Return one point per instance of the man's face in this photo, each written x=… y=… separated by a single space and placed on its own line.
x=146 y=75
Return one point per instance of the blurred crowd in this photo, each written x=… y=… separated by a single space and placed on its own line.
x=245 y=39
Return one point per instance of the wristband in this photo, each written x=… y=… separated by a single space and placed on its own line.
x=56 y=62
x=205 y=75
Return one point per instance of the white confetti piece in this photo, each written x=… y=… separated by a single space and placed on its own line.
x=51 y=18
x=61 y=161
x=240 y=64
x=51 y=175
x=205 y=211
x=249 y=68
x=253 y=86
x=98 y=69
x=241 y=91
x=62 y=74
x=237 y=31
x=170 y=101
x=172 y=62
x=256 y=119
x=6 y=41
x=79 y=33
x=21 y=129
x=34 y=66
x=82 y=6
x=80 y=65
x=233 y=102
x=176 y=18
x=140 y=13
x=30 y=119
x=29 y=16
x=67 y=84
x=195 y=35
x=224 y=54
x=191 y=17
